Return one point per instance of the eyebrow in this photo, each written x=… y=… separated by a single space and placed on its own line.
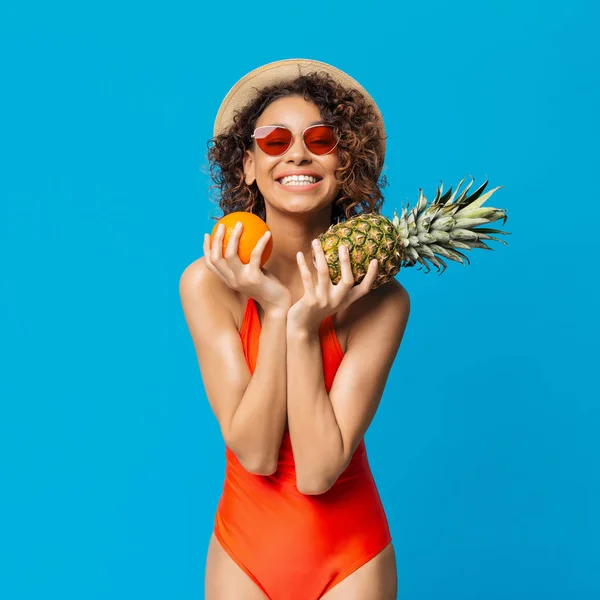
x=282 y=125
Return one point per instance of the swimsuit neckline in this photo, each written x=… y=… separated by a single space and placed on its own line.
x=327 y=326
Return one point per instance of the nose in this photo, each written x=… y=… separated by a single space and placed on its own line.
x=297 y=152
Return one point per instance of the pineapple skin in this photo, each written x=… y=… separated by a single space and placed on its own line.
x=367 y=236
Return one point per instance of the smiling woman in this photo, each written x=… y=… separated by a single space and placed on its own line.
x=294 y=366
x=268 y=172
x=348 y=111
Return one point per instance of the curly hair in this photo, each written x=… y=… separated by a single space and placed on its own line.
x=355 y=123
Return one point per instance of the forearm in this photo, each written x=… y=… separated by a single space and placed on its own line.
x=259 y=420
x=315 y=435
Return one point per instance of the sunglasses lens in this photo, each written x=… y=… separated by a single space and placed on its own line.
x=320 y=139
x=273 y=140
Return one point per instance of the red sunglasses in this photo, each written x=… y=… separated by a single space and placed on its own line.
x=276 y=140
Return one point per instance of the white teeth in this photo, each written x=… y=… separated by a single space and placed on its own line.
x=298 y=180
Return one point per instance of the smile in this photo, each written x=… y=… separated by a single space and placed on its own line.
x=298 y=182
x=303 y=187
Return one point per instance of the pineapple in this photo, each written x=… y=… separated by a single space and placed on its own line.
x=426 y=233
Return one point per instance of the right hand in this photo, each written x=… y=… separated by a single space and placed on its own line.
x=251 y=279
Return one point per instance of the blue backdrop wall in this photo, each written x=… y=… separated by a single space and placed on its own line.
x=485 y=448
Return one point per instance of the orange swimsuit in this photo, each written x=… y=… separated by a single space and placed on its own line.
x=296 y=546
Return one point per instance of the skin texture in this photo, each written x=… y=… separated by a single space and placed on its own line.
x=369 y=324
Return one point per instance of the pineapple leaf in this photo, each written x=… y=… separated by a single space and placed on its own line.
x=482 y=245
x=483 y=236
x=458 y=244
x=438 y=193
x=482 y=199
x=456 y=190
x=464 y=192
x=455 y=255
x=487 y=230
x=473 y=197
x=437 y=261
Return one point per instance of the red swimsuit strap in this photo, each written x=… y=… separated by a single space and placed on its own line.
x=250 y=334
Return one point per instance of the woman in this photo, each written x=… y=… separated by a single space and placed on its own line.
x=300 y=144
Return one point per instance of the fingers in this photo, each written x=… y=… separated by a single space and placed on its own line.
x=323 y=278
x=207 y=260
x=365 y=285
x=228 y=266
x=206 y=246
x=257 y=253
x=234 y=240
x=347 y=278
x=305 y=274
x=325 y=292
x=371 y=275
x=213 y=255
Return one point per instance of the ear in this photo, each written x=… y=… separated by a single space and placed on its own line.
x=248 y=164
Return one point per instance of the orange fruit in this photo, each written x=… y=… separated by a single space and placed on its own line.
x=254 y=229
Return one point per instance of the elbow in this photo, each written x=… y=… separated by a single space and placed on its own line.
x=262 y=469
x=314 y=486
x=320 y=481
x=257 y=463
x=259 y=467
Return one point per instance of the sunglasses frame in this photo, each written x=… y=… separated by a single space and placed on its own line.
x=293 y=138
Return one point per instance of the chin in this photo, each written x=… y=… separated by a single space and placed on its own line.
x=303 y=200
x=300 y=206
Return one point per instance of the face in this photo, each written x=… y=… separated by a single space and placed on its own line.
x=295 y=113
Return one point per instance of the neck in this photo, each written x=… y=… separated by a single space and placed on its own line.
x=294 y=233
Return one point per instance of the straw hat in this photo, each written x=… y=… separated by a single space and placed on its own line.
x=244 y=91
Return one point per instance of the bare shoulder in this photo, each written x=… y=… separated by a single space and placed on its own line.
x=197 y=284
x=384 y=309
x=391 y=289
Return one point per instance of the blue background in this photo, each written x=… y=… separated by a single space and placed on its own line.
x=485 y=448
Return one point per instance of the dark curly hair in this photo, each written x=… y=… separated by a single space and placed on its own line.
x=355 y=122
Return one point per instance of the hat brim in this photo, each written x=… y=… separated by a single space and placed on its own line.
x=281 y=71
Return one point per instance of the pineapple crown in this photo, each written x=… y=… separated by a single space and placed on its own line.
x=431 y=230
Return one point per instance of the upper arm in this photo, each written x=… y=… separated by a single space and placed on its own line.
x=373 y=344
x=223 y=366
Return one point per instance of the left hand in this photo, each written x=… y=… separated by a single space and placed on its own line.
x=325 y=298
